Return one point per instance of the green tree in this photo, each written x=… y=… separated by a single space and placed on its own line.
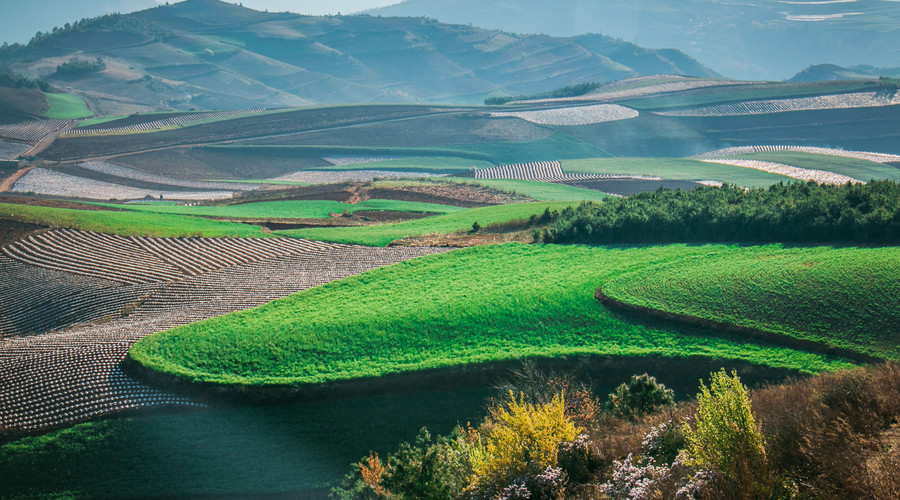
x=725 y=438
x=641 y=395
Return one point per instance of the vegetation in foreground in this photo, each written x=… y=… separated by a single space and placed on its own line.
x=796 y=212
x=830 y=436
x=127 y=223
x=474 y=305
x=835 y=296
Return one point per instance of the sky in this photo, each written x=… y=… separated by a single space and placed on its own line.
x=21 y=19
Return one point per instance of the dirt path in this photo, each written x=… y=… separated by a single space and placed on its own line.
x=8 y=183
x=47 y=140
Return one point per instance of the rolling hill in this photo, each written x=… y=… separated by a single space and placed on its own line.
x=214 y=55
x=762 y=40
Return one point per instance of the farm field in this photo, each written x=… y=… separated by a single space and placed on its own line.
x=511 y=301
x=545 y=191
x=384 y=234
x=294 y=209
x=127 y=223
x=852 y=167
x=674 y=169
x=434 y=164
x=66 y=107
x=836 y=296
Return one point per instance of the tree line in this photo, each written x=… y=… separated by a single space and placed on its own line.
x=794 y=212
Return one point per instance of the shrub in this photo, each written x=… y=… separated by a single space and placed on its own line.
x=539 y=387
x=640 y=396
x=520 y=438
x=424 y=469
x=725 y=439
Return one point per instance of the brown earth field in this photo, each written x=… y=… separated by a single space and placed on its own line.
x=18 y=105
x=50 y=202
x=70 y=148
x=135 y=119
x=11 y=231
x=199 y=163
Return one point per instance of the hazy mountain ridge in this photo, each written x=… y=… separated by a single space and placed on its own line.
x=762 y=40
x=210 y=54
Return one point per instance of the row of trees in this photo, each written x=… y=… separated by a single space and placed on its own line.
x=20 y=82
x=796 y=212
x=576 y=90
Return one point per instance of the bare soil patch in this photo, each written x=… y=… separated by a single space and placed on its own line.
x=21 y=104
x=52 y=203
x=11 y=231
x=459 y=195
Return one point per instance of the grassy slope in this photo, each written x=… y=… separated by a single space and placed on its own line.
x=863 y=170
x=538 y=190
x=66 y=106
x=843 y=297
x=383 y=234
x=675 y=169
x=127 y=223
x=293 y=209
x=474 y=305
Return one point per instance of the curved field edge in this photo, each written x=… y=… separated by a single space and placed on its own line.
x=466 y=307
x=841 y=299
x=384 y=234
x=127 y=223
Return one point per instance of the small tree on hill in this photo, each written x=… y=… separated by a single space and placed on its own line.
x=641 y=395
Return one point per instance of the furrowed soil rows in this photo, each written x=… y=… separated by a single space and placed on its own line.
x=32 y=131
x=129 y=173
x=53 y=183
x=769 y=106
x=859 y=155
x=161 y=124
x=572 y=116
x=332 y=177
x=804 y=174
x=543 y=171
x=53 y=379
x=264 y=125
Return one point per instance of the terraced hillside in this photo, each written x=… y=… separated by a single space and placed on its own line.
x=52 y=376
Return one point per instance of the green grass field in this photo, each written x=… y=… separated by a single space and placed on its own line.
x=66 y=107
x=127 y=223
x=863 y=170
x=843 y=297
x=382 y=234
x=544 y=191
x=293 y=209
x=475 y=305
x=675 y=169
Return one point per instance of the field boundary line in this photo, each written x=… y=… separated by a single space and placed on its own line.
x=732 y=329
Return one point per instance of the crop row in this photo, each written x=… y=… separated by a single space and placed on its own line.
x=156 y=125
x=129 y=259
x=32 y=131
x=61 y=377
x=12 y=150
x=767 y=106
x=52 y=183
x=356 y=160
x=859 y=155
x=576 y=115
x=332 y=177
x=804 y=174
x=543 y=171
x=130 y=173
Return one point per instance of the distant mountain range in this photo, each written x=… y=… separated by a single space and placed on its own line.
x=214 y=55
x=758 y=39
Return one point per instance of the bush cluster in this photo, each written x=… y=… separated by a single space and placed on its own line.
x=796 y=212
x=827 y=436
